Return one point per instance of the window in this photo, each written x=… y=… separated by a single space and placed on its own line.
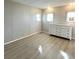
x=50 y=17
x=38 y=17
x=70 y=16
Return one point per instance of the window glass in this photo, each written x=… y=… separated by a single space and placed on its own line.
x=38 y=17
x=49 y=17
x=70 y=16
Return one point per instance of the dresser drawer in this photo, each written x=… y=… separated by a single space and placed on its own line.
x=61 y=30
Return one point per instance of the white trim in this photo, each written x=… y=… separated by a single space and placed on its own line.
x=45 y=32
x=20 y=38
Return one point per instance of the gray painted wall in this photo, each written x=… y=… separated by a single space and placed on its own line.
x=59 y=18
x=20 y=20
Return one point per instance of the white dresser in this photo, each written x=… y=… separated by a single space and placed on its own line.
x=61 y=30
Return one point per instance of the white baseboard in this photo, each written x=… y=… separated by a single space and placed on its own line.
x=20 y=38
x=45 y=32
x=24 y=37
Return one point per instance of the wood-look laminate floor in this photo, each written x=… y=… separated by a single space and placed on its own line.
x=40 y=46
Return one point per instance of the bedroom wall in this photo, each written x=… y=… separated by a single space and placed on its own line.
x=60 y=14
x=20 y=20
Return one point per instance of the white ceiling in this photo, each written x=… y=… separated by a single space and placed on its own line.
x=44 y=3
